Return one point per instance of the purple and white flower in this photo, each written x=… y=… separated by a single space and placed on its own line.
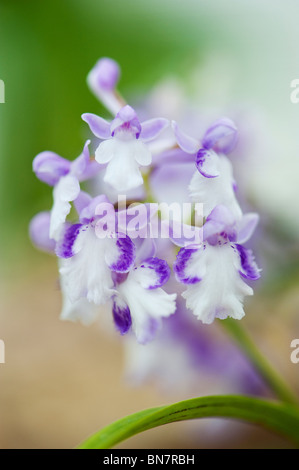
x=117 y=257
x=124 y=148
x=65 y=176
x=89 y=259
x=140 y=301
x=214 y=272
x=213 y=182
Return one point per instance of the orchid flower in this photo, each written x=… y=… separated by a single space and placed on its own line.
x=215 y=271
x=65 y=177
x=213 y=182
x=124 y=148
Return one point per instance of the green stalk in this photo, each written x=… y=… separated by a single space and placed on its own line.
x=281 y=418
x=271 y=377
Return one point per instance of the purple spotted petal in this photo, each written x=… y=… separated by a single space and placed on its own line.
x=221 y=136
x=98 y=126
x=121 y=258
x=152 y=128
x=207 y=163
x=50 y=167
x=246 y=227
x=126 y=120
x=39 y=232
x=154 y=273
x=249 y=268
x=185 y=142
x=181 y=264
x=104 y=75
x=65 y=247
x=121 y=315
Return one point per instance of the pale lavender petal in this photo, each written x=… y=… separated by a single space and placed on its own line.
x=133 y=220
x=82 y=201
x=246 y=227
x=249 y=268
x=219 y=220
x=185 y=142
x=50 y=167
x=152 y=128
x=126 y=120
x=172 y=156
x=206 y=163
x=180 y=173
x=145 y=248
x=180 y=267
x=79 y=165
x=121 y=315
x=221 y=136
x=102 y=80
x=91 y=170
x=104 y=75
x=64 y=247
x=98 y=126
x=153 y=273
x=39 y=232
x=88 y=212
x=181 y=234
x=121 y=256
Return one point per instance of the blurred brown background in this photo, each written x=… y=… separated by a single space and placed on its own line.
x=61 y=381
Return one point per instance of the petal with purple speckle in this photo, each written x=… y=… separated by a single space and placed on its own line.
x=120 y=256
x=121 y=315
x=185 y=266
x=249 y=268
x=65 y=246
x=152 y=273
x=207 y=163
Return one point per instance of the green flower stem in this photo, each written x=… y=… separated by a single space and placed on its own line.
x=281 y=418
x=271 y=377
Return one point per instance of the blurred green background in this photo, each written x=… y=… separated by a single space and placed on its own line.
x=231 y=56
x=243 y=52
x=47 y=49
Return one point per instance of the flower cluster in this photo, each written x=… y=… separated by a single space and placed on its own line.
x=111 y=254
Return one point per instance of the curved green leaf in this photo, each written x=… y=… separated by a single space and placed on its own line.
x=278 y=417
